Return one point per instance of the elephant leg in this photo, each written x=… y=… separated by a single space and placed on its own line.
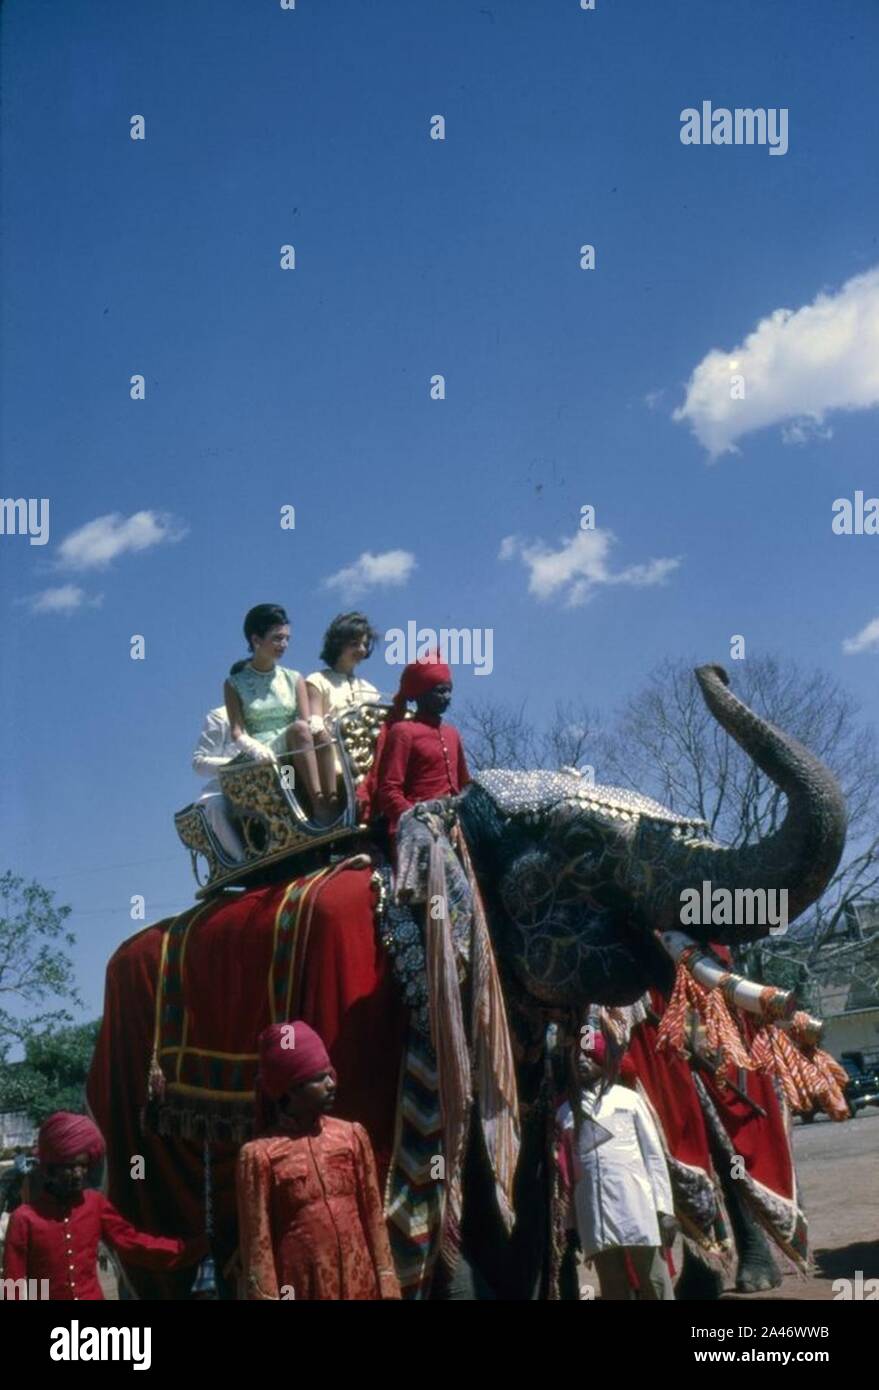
x=569 y=1282
x=463 y=1284
x=495 y=1263
x=699 y=1283
x=757 y=1270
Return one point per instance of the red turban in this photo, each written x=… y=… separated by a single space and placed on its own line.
x=595 y=1047
x=418 y=678
x=289 y=1053
x=64 y=1135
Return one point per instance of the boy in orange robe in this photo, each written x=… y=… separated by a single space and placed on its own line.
x=310 y=1215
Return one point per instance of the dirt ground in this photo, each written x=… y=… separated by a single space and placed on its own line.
x=838 y=1169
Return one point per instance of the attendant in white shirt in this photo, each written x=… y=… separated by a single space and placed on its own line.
x=214 y=750
x=622 y=1198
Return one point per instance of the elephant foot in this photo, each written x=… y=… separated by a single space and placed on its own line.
x=757 y=1278
x=698 y=1283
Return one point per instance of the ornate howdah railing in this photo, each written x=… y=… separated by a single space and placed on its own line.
x=266 y=809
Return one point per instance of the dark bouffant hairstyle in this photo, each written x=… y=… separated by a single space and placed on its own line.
x=345 y=628
x=256 y=624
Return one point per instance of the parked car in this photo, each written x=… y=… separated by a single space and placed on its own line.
x=863 y=1086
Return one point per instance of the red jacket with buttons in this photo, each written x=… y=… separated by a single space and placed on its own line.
x=421 y=758
x=58 y=1241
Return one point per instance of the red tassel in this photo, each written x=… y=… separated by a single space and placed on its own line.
x=156 y=1080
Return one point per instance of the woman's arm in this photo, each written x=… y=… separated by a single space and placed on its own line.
x=303 y=704
x=258 y=752
x=317 y=702
x=234 y=712
x=209 y=754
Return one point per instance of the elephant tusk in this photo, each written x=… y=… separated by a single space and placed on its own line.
x=767 y=1001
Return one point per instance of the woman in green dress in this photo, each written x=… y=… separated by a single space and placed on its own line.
x=268 y=709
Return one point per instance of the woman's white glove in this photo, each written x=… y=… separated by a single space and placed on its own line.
x=316 y=723
x=258 y=752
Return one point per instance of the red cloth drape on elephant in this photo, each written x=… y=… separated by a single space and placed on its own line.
x=233 y=964
x=668 y=1082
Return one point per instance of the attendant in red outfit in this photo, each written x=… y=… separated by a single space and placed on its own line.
x=56 y=1236
x=310 y=1215
x=422 y=758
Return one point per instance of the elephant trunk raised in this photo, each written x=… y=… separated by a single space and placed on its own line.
x=800 y=857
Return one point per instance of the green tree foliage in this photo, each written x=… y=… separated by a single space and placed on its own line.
x=36 y=972
x=53 y=1073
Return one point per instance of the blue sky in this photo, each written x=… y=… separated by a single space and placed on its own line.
x=310 y=387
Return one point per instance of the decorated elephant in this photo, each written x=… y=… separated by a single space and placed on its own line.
x=576 y=880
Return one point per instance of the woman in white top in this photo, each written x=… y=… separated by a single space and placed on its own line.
x=348 y=640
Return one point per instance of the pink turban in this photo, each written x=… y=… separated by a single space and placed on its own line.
x=64 y=1135
x=596 y=1049
x=289 y=1053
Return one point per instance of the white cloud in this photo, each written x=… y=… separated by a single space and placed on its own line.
x=66 y=598
x=867 y=640
x=796 y=365
x=579 y=566
x=103 y=540
x=801 y=431
x=391 y=568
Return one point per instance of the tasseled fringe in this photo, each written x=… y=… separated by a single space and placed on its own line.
x=722 y=1034
x=223 y=1123
x=808 y=1076
x=723 y=1040
x=155 y=1080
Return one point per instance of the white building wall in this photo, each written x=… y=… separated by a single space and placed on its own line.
x=16 y=1131
x=857 y=1031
